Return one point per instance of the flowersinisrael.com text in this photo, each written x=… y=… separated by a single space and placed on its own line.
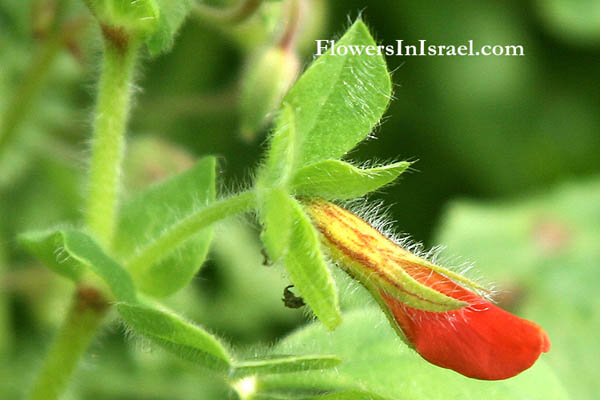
x=422 y=48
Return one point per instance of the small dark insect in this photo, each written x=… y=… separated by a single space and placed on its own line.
x=266 y=262
x=290 y=300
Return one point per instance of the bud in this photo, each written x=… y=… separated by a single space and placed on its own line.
x=266 y=80
x=121 y=19
x=435 y=310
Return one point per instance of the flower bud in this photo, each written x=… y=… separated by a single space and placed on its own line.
x=435 y=310
x=266 y=80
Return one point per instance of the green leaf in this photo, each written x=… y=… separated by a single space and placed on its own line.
x=282 y=151
x=308 y=270
x=48 y=247
x=172 y=15
x=170 y=331
x=276 y=220
x=333 y=179
x=146 y=216
x=543 y=250
x=376 y=361
x=275 y=203
x=343 y=395
x=284 y=364
x=339 y=99
x=71 y=252
x=349 y=395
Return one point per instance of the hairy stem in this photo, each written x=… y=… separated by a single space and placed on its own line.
x=83 y=318
x=89 y=304
x=189 y=226
x=112 y=110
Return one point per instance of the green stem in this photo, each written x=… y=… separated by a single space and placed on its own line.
x=89 y=305
x=29 y=88
x=112 y=110
x=83 y=318
x=189 y=226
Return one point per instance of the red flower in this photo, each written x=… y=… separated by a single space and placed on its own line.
x=479 y=340
x=430 y=307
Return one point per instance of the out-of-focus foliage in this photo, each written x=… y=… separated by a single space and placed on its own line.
x=373 y=356
x=146 y=216
x=572 y=21
x=541 y=251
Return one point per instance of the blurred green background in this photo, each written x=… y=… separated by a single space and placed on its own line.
x=508 y=171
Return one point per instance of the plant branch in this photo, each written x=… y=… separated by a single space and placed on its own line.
x=33 y=81
x=189 y=226
x=83 y=318
x=89 y=304
x=112 y=110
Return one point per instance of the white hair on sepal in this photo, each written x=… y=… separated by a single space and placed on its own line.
x=457 y=264
x=437 y=255
x=308 y=313
x=376 y=163
x=374 y=212
x=140 y=342
x=348 y=287
x=377 y=214
x=236 y=185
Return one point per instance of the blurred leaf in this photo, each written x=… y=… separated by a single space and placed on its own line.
x=71 y=252
x=375 y=360
x=308 y=270
x=284 y=364
x=339 y=99
x=6 y=328
x=342 y=395
x=150 y=159
x=143 y=218
x=573 y=20
x=333 y=179
x=240 y=276
x=542 y=250
x=188 y=341
x=172 y=15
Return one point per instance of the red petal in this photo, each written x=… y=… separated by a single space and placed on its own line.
x=480 y=341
